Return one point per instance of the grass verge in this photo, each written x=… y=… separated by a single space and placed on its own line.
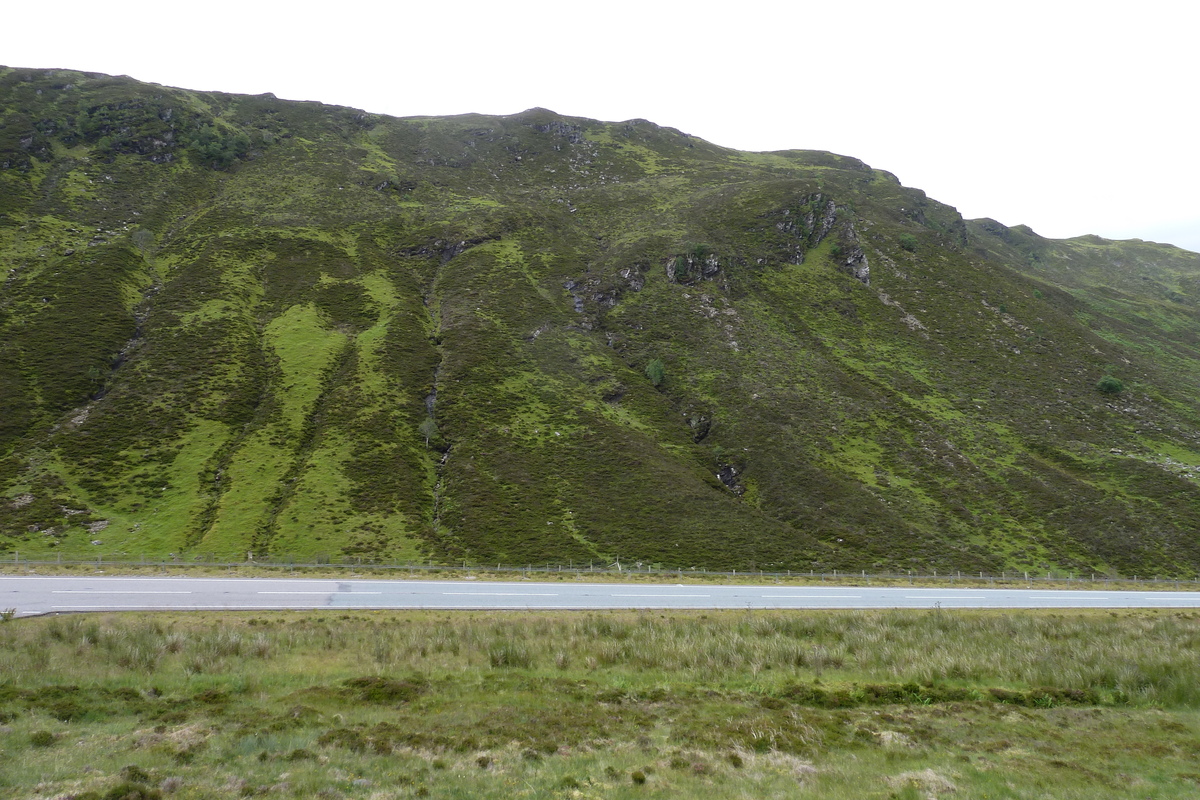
x=887 y=704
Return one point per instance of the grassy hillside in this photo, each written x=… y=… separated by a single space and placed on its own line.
x=237 y=324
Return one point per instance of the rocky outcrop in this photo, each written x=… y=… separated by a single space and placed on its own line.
x=805 y=225
x=697 y=264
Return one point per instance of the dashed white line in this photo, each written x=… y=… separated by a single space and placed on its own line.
x=108 y=591
x=504 y=594
x=321 y=593
x=812 y=596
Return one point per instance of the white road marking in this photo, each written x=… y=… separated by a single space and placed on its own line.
x=330 y=591
x=108 y=591
x=160 y=608
x=504 y=594
x=660 y=595
x=812 y=596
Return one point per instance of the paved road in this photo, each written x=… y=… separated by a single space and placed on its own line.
x=31 y=595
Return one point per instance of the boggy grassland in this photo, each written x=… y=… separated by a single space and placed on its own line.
x=896 y=704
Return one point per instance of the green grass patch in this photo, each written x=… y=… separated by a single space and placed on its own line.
x=884 y=704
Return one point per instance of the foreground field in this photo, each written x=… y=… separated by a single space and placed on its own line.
x=717 y=705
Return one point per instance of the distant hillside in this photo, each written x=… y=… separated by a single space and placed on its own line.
x=237 y=324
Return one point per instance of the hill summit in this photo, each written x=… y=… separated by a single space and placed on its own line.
x=237 y=324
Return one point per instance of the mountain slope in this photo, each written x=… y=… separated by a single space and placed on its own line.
x=240 y=324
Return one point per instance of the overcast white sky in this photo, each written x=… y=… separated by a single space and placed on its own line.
x=1070 y=117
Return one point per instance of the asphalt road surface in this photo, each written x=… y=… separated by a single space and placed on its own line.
x=30 y=595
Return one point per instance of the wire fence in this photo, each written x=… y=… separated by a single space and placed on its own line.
x=397 y=568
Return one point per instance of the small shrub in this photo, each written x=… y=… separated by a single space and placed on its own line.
x=68 y=710
x=656 y=372
x=187 y=755
x=681 y=267
x=908 y=242
x=217 y=148
x=7 y=614
x=345 y=737
x=374 y=689
x=433 y=436
x=638 y=777
x=212 y=697
x=42 y=738
x=133 y=772
x=128 y=790
x=1109 y=385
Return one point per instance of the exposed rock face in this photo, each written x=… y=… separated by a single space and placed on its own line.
x=728 y=475
x=692 y=267
x=856 y=264
x=559 y=128
x=805 y=224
